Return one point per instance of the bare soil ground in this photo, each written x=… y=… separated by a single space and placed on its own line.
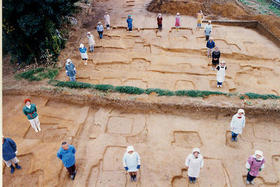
x=162 y=129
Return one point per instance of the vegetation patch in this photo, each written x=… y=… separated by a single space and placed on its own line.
x=159 y=92
x=38 y=74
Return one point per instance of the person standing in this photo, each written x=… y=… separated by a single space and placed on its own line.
x=129 y=22
x=131 y=163
x=254 y=165
x=216 y=54
x=30 y=110
x=159 y=22
x=177 y=21
x=70 y=70
x=66 y=153
x=208 y=30
x=83 y=52
x=199 y=19
x=9 y=152
x=194 y=162
x=221 y=73
x=100 y=29
x=210 y=46
x=237 y=124
x=91 y=41
x=107 y=20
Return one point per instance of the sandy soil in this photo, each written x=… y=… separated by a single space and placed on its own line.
x=101 y=135
x=174 y=60
x=162 y=137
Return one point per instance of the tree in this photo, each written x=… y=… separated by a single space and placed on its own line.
x=31 y=28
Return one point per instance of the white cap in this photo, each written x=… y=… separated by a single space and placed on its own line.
x=68 y=60
x=88 y=32
x=178 y=14
x=241 y=111
x=81 y=45
x=196 y=150
x=129 y=148
x=99 y=23
x=260 y=153
x=209 y=21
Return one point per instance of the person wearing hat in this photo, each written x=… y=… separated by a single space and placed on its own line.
x=30 y=110
x=216 y=54
x=194 y=162
x=70 y=70
x=254 y=164
x=177 y=21
x=131 y=162
x=159 y=22
x=83 y=52
x=66 y=153
x=237 y=124
x=208 y=30
x=129 y=23
x=199 y=19
x=9 y=152
x=100 y=29
x=91 y=41
x=210 y=46
x=221 y=73
x=107 y=20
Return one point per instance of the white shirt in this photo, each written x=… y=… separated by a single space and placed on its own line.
x=194 y=165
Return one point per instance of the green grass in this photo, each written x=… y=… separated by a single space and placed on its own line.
x=38 y=74
x=159 y=92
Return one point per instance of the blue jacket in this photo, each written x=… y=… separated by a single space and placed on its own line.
x=129 y=22
x=70 y=69
x=9 y=148
x=210 y=45
x=67 y=156
x=30 y=113
x=83 y=50
x=100 y=28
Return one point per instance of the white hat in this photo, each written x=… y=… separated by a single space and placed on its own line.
x=99 y=23
x=209 y=21
x=196 y=150
x=88 y=32
x=178 y=14
x=241 y=111
x=68 y=60
x=223 y=62
x=81 y=45
x=159 y=14
x=258 y=152
x=129 y=148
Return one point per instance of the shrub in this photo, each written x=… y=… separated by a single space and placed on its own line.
x=70 y=84
x=197 y=93
x=129 y=90
x=38 y=74
x=160 y=92
x=104 y=87
x=259 y=96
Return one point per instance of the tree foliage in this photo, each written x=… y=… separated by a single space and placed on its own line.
x=32 y=28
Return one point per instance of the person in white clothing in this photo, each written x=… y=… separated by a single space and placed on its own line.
x=107 y=20
x=131 y=162
x=194 y=162
x=91 y=41
x=83 y=51
x=221 y=73
x=237 y=124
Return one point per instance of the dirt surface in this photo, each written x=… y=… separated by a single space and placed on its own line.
x=163 y=130
x=101 y=134
x=216 y=9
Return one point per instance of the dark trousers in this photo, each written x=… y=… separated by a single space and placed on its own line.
x=159 y=26
x=250 y=178
x=130 y=28
x=100 y=34
x=192 y=179
x=207 y=37
x=220 y=83
x=234 y=136
x=71 y=170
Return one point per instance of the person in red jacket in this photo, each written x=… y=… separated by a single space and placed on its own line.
x=159 y=22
